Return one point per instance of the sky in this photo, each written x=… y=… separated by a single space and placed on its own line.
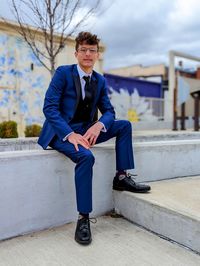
x=139 y=32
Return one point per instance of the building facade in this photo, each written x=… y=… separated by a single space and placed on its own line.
x=23 y=79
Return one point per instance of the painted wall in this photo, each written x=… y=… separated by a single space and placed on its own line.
x=21 y=88
x=134 y=99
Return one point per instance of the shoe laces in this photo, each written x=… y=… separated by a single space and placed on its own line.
x=93 y=220
x=131 y=177
x=85 y=222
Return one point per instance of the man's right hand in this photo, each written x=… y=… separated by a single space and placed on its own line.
x=76 y=139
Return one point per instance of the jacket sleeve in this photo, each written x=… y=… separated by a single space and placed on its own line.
x=52 y=103
x=105 y=107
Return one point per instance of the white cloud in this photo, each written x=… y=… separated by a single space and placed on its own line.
x=142 y=32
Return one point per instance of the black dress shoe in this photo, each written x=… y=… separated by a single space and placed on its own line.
x=83 y=232
x=128 y=184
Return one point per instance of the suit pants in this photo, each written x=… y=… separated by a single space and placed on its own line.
x=84 y=159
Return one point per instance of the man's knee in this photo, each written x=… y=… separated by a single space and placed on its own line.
x=125 y=124
x=88 y=156
x=128 y=124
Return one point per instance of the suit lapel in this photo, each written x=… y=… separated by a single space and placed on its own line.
x=95 y=87
x=77 y=84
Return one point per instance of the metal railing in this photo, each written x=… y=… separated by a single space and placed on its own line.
x=157 y=107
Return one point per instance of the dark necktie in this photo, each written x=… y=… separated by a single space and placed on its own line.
x=87 y=88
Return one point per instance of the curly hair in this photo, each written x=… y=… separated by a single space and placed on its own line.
x=85 y=37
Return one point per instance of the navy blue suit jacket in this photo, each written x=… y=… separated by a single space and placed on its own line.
x=61 y=101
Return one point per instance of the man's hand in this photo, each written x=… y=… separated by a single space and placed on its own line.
x=76 y=139
x=93 y=132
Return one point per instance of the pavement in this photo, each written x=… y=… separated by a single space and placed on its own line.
x=116 y=241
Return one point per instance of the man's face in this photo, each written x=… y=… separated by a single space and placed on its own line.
x=86 y=56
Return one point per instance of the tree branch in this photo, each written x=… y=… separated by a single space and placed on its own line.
x=51 y=18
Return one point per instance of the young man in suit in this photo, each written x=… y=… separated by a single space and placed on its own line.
x=72 y=128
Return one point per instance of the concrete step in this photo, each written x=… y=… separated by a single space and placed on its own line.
x=19 y=144
x=164 y=134
x=138 y=136
x=116 y=242
x=157 y=160
x=172 y=209
x=154 y=160
x=37 y=187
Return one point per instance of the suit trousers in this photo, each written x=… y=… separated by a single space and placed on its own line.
x=84 y=159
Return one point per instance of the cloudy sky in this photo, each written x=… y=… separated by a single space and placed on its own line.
x=142 y=32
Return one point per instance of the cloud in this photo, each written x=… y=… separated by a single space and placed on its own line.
x=142 y=32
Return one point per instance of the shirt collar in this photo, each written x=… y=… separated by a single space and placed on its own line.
x=82 y=73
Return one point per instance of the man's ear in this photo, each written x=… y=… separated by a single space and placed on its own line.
x=75 y=53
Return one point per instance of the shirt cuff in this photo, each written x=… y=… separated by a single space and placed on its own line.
x=104 y=128
x=66 y=137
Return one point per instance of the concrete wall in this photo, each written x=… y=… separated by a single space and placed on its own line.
x=157 y=160
x=37 y=187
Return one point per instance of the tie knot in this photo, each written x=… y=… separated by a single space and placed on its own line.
x=87 y=79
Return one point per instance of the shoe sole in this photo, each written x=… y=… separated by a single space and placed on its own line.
x=84 y=243
x=134 y=191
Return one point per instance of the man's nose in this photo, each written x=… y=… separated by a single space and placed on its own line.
x=87 y=52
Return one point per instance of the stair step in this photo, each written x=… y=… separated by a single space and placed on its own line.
x=138 y=136
x=171 y=209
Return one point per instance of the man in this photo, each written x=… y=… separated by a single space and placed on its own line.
x=71 y=127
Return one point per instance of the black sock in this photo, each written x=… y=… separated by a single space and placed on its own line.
x=120 y=172
x=85 y=215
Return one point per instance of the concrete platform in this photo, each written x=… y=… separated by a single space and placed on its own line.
x=138 y=136
x=172 y=209
x=116 y=242
x=38 y=191
x=37 y=187
x=164 y=134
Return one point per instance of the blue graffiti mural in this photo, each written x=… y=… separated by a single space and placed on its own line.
x=15 y=72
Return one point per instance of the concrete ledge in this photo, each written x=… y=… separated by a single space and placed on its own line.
x=37 y=187
x=170 y=210
x=18 y=144
x=168 y=223
x=138 y=136
x=37 y=190
x=160 y=160
x=154 y=160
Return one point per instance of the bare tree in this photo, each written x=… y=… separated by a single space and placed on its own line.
x=57 y=20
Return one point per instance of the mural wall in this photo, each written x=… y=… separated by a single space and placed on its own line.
x=135 y=99
x=23 y=82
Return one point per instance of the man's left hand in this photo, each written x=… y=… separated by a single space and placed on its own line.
x=93 y=132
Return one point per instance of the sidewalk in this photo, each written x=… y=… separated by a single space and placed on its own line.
x=115 y=242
